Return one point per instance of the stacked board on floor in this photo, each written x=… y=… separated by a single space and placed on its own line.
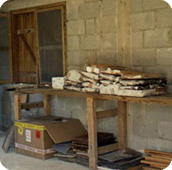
x=156 y=160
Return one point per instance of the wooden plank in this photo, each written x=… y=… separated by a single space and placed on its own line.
x=17 y=108
x=163 y=99
x=161 y=156
x=25 y=31
x=27 y=46
x=149 y=151
x=148 y=168
x=158 y=160
x=8 y=139
x=122 y=125
x=107 y=148
x=47 y=105
x=92 y=133
x=155 y=164
x=32 y=105
x=106 y=113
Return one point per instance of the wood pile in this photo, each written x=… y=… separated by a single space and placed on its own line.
x=115 y=80
x=156 y=160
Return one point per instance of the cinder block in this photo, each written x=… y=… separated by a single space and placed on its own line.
x=136 y=6
x=157 y=38
x=75 y=58
x=90 y=10
x=164 y=18
x=144 y=57
x=145 y=127
x=107 y=57
x=137 y=39
x=73 y=43
x=107 y=24
x=73 y=9
x=109 y=7
x=143 y=21
x=109 y=125
x=90 y=42
x=154 y=4
x=158 y=112
x=90 y=26
x=140 y=143
x=109 y=41
x=76 y=27
x=90 y=56
x=164 y=56
x=164 y=130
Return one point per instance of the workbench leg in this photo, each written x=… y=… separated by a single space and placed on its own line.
x=47 y=105
x=122 y=125
x=92 y=133
x=17 y=106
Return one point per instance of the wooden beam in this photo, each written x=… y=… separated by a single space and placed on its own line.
x=47 y=105
x=32 y=105
x=122 y=125
x=92 y=133
x=26 y=31
x=27 y=46
x=107 y=148
x=17 y=108
x=106 y=113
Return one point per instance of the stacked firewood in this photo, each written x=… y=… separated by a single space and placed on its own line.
x=156 y=160
x=115 y=80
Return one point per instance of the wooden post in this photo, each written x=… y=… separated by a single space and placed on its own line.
x=122 y=125
x=17 y=106
x=92 y=133
x=47 y=104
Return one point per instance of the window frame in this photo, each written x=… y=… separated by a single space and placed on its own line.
x=7 y=15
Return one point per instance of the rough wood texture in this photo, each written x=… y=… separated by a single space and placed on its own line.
x=164 y=99
x=92 y=133
x=122 y=125
x=106 y=113
x=17 y=108
x=32 y=105
x=47 y=105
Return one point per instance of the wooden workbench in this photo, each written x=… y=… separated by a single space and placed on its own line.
x=92 y=115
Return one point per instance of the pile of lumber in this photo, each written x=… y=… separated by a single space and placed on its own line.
x=156 y=160
x=115 y=80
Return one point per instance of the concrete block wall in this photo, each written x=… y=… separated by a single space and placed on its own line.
x=92 y=38
x=150 y=124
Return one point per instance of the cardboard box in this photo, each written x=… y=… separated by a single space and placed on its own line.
x=36 y=137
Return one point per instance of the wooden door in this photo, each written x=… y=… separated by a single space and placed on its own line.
x=24 y=47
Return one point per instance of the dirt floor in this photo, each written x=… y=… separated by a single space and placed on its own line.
x=13 y=161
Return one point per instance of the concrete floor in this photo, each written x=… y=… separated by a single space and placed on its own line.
x=13 y=161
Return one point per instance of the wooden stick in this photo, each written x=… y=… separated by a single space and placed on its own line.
x=122 y=125
x=47 y=104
